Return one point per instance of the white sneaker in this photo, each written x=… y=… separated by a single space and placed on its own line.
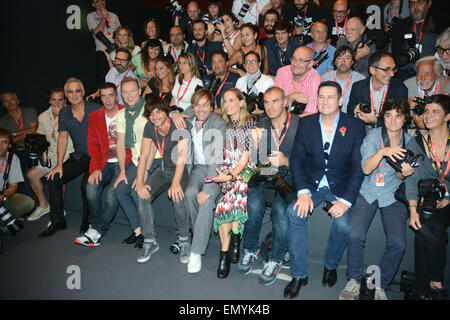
x=350 y=291
x=195 y=263
x=38 y=213
x=89 y=239
x=380 y=294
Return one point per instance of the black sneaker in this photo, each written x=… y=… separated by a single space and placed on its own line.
x=131 y=239
x=438 y=294
x=140 y=241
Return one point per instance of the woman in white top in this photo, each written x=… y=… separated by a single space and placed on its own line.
x=227 y=33
x=254 y=81
x=123 y=38
x=187 y=81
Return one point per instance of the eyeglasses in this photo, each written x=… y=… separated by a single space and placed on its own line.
x=300 y=60
x=250 y=61
x=418 y=2
x=441 y=50
x=325 y=148
x=74 y=91
x=339 y=11
x=388 y=69
x=120 y=60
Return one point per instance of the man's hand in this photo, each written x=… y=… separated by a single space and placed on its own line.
x=201 y=198
x=299 y=97
x=338 y=209
x=56 y=170
x=394 y=153
x=407 y=170
x=143 y=191
x=120 y=178
x=278 y=159
x=95 y=177
x=178 y=120
x=304 y=205
x=362 y=52
x=442 y=204
x=176 y=192
x=414 y=219
x=366 y=117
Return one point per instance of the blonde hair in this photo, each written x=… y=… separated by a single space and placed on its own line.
x=189 y=57
x=131 y=43
x=244 y=116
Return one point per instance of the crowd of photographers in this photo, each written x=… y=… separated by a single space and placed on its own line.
x=275 y=104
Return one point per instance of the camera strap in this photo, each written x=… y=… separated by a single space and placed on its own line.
x=386 y=141
x=7 y=168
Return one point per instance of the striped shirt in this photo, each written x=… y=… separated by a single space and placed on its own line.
x=309 y=85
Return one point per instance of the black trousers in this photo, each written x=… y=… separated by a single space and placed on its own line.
x=101 y=68
x=430 y=257
x=71 y=169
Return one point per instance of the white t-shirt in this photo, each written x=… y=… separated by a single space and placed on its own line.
x=113 y=23
x=182 y=95
x=112 y=138
x=253 y=12
x=264 y=83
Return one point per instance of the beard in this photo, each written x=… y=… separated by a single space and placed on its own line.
x=425 y=85
x=270 y=31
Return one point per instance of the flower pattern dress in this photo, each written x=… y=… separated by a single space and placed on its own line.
x=233 y=205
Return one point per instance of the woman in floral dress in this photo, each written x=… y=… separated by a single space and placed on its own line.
x=231 y=211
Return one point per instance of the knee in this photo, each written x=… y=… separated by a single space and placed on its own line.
x=191 y=193
x=398 y=244
x=344 y=228
x=35 y=174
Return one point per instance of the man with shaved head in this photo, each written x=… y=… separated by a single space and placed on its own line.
x=338 y=21
x=300 y=80
x=187 y=20
x=355 y=38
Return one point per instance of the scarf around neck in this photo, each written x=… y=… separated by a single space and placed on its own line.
x=130 y=137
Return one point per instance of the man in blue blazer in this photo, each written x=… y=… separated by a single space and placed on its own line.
x=379 y=87
x=326 y=165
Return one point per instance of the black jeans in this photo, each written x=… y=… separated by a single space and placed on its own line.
x=71 y=169
x=429 y=257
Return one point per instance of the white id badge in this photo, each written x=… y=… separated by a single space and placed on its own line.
x=379 y=179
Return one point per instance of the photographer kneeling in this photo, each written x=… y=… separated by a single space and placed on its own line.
x=382 y=150
x=278 y=129
x=12 y=204
x=428 y=197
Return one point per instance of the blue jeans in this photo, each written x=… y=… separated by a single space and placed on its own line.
x=256 y=205
x=393 y=218
x=298 y=236
x=102 y=213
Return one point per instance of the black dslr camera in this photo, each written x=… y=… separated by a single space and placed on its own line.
x=365 y=107
x=409 y=157
x=411 y=54
x=254 y=101
x=279 y=183
x=174 y=8
x=431 y=191
x=420 y=105
x=37 y=144
x=297 y=107
x=320 y=58
x=218 y=20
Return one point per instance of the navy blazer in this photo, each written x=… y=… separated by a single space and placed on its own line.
x=344 y=172
x=273 y=54
x=361 y=92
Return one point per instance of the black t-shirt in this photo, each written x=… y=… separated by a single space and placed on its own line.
x=155 y=92
x=168 y=142
x=302 y=18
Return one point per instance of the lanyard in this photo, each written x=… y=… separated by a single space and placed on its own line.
x=257 y=11
x=162 y=147
x=3 y=163
x=436 y=162
x=148 y=77
x=19 y=122
x=221 y=85
x=304 y=12
x=202 y=58
x=163 y=96
x=54 y=126
x=348 y=82
x=175 y=53
x=252 y=85
x=443 y=87
x=388 y=144
x=107 y=22
x=187 y=87
x=382 y=101
x=274 y=134
x=421 y=31
x=339 y=35
x=396 y=13
x=117 y=86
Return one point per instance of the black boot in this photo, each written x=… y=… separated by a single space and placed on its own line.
x=235 y=245
x=224 y=265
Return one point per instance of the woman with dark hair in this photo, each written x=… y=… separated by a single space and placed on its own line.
x=231 y=210
x=431 y=218
x=227 y=33
x=162 y=83
x=249 y=34
x=145 y=61
x=151 y=31
x=381 y=180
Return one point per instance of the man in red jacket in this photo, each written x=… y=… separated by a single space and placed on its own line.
x=103 y=168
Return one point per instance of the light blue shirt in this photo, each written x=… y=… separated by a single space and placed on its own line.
x=324 y=181
x=327 y=64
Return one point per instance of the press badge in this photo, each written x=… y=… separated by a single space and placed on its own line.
x=446 y=191
x=379 y=179
x=419 y=47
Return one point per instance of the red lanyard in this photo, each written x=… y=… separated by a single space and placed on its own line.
x=436 y=159
x=202 y=59
x=382 y=101
x=231 y=38
x=117 y=86
x=151 y=74
x=175 y=54
x=220 y=88
x=3 y=164
x=343 y=28
x=161 y=147
x=421 y=31
x=274 y=136
x=19 y=122
x=250 y=11
x=163 y=96
x=178 y=93
x=443 y=87
x=107 y=23
x=396 y=13
x=348 y=83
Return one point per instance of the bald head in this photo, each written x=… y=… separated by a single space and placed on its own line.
x=193 y=10
x=340 y=10
x=301 y=62
x=354 y=30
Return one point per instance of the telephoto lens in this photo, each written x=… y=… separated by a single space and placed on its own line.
x=13 y=225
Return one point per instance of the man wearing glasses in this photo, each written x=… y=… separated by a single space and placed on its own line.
x=376 y=89
x=300 y=80
x=415 y=34
x=73 y=122
x=118 y=73
x=338 y=21
x=443 y=50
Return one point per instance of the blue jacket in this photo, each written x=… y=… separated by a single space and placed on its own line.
x=230 y=83
x=273 y=54
x=343 y=170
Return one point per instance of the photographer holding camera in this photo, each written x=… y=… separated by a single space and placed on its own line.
x=377 y=192
x=186 y=18
x=413 y=37
x=427 y=194
x=428 y=81
x=48 y=126
x=279 y=129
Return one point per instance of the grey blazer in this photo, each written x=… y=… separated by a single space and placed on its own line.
x=413 y=89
